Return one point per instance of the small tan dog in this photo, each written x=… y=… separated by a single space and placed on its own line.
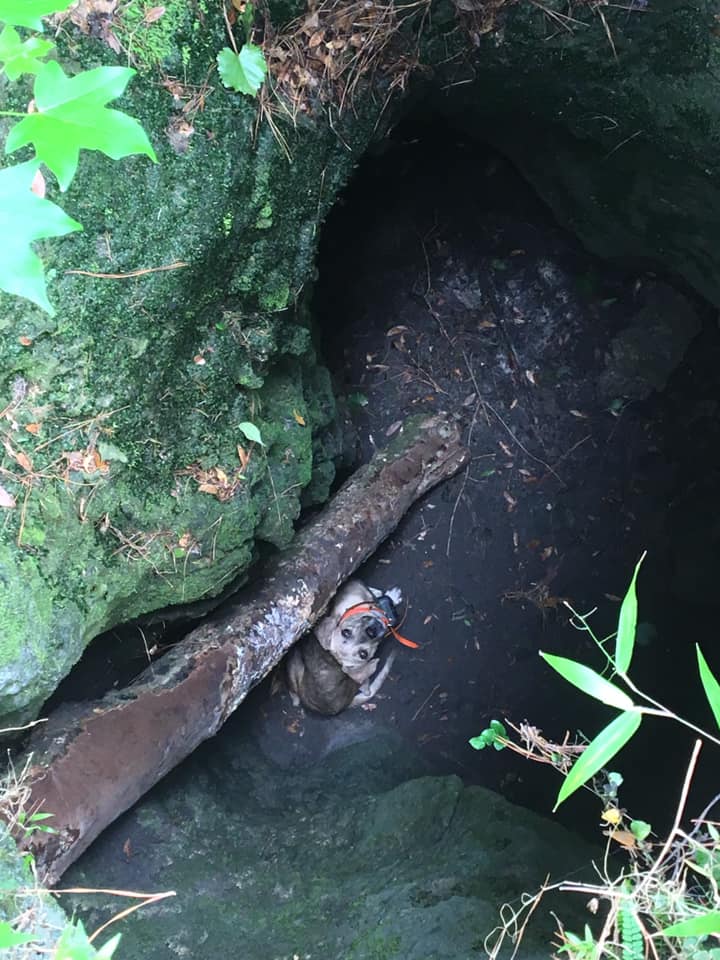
x=333 y=668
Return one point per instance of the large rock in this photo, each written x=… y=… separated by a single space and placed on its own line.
x=339 y=857
x=115 y=407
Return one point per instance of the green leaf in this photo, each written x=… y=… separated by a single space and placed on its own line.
x=710 y=685
x=640 y=829
x=625 y=639
x=695 y=926
x=24 y=218
x=11 y=938
x=21 y=56
x=27 y=13
x=246 y=19
x=244 y=71
x=489 y=736
x=108 y=949
x=251 y=432
x=108 y=451
x=597 y=753
x=72 y=116
x=589 y=681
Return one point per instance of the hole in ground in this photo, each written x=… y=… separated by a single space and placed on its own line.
x=445 y=284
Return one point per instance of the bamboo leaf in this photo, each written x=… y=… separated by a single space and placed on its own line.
x=695 y=926
x=710 y=685
x=589 y=681
x=625 y=640
x=599 y=752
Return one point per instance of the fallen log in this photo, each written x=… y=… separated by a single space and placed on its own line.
x=94 y=760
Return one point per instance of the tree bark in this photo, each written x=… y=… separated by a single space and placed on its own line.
x=108 y=753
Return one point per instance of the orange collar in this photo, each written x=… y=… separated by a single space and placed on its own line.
x=380 y=615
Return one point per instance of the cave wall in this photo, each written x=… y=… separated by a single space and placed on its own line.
x=617 y=128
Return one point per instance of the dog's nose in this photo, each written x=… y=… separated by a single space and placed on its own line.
x=363 y=654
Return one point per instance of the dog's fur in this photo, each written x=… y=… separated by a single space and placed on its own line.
x=333 y=668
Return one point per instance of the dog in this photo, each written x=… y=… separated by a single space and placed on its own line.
x=334 y=668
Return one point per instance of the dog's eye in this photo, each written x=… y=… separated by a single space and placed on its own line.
x=371 y=631
x=363 y=654
x=346 y=632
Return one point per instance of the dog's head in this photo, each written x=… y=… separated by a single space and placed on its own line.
x=355 y=639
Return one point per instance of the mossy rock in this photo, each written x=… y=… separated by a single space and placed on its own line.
x=122 y=412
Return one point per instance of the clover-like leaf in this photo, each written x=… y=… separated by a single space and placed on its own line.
x=72 y=115
x=27 y=13
x=244 y=71
x=25 y=217
x=20 y=56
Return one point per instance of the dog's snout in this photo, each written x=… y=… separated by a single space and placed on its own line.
x=363 y=654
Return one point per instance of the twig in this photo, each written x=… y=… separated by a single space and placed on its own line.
x=417 y=712
x=678 y=815
x=132 y=273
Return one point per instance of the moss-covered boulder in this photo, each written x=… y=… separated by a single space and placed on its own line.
x=340 y=857
x=177 y=320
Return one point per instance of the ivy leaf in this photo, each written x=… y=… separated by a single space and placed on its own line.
x=21 y=56
x=24 y=218
x=11 y=938
x=244 y=71
x=27 y=13
x=71 y=115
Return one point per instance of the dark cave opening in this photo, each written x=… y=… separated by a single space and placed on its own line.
x=446 y=283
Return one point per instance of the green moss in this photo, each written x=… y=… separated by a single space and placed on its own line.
x=154 y=44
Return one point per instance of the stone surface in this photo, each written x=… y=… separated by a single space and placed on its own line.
x=336 y=856
x=134 y=382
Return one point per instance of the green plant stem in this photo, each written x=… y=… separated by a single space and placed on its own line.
x=659 y=710
x=12 y=113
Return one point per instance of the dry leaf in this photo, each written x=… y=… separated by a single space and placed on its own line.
x=511 y=501
x=393 y=428
x=127 y=848
x=517 y=253
x=396 y=331
x=531 y=377
x=427 y=620
x=25 y=341
x=199 y=359
x=221 y=475
x=485 y=325
x=299 y=418
x=505 y=448
x=243 y=457
x=316 y=39
x=212 y=488
x=32 y=427
x=547 y=553
x=577 y=413
x=153 y=14
x=38 y=184
x=623 y=837
x=612 y=816
x=7 y=500
x=24 y=461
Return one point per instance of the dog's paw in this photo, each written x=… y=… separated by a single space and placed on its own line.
x=395 y=594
